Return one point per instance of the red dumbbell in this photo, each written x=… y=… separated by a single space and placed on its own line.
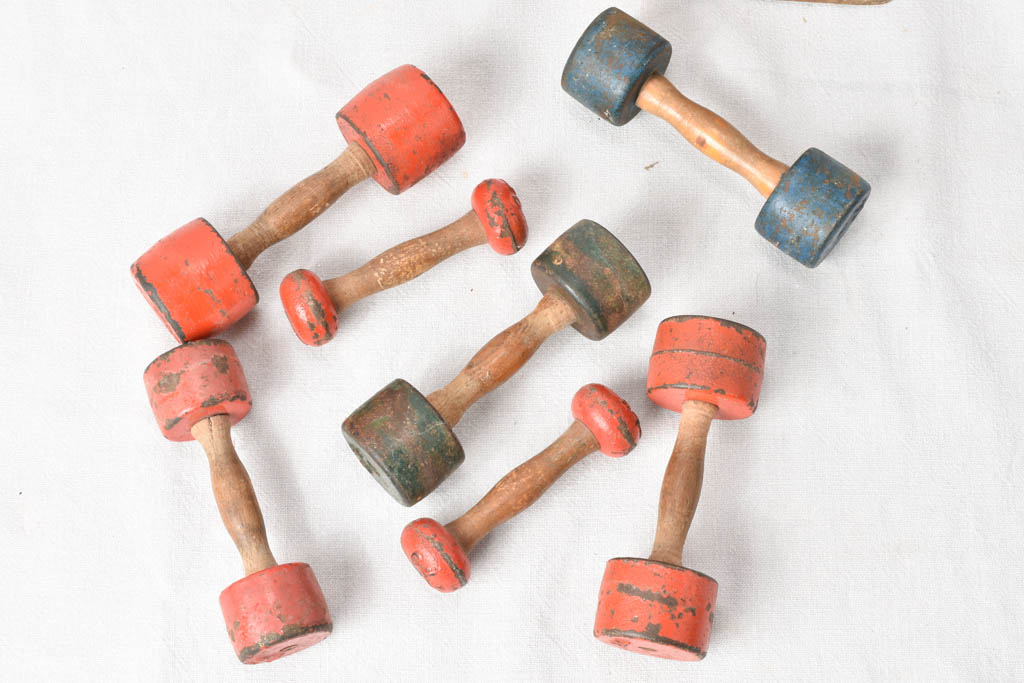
x=704 y=368
x=312 y=305
x=198 y=391
x=399 y=129
x=603 y=421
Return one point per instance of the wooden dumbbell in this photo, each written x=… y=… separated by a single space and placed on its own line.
x=603 y=421
x=406 y=440
x=312 y=305
x=704 y=368
x=399 y=129
x=197 y=391
x=616 y=70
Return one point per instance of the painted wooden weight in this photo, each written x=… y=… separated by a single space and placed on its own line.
x=705 y=369
x=312 y=305
x=603 y=421
x=197 y=391
x=616 y=70
x=399 y=129
x=589 y=280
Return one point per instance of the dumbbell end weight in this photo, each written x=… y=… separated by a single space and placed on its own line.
x=656 y=609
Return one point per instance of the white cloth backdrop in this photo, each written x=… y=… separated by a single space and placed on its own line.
x=866 y=523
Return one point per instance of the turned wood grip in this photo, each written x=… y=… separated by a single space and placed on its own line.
x=406 y=261
x=233 y=490
x=502 y=357
x=680 y=489
x=711 y=134
x=520 y=488
x=293 y=210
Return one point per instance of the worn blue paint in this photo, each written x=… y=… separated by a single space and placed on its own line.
x=610 y=63
x=812 y=206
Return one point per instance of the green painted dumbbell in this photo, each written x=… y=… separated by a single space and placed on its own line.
x=589 y=280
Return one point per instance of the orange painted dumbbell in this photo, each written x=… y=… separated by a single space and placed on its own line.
x=198 y=391
x=406 y=439
x=704 y=368
x=399 y=129
x=312 y=305
x=603 y=421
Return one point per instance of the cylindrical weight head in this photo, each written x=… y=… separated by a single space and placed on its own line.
x=405 y=124
x=655 y=609
x=608 y=417
x=195 y=381
x=309 y=307
x=194 y=283
x=611 y=62
x=697 y=358
x=812 y=206
x=275 y=612
x=403 y=441
x=596 y=274
x=436 y=554
x=498 y=209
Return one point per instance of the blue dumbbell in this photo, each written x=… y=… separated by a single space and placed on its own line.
x=616 y=70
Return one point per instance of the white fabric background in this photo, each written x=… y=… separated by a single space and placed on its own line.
x=866 y=523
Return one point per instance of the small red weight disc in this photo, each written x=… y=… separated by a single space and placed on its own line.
x=498 y=209
x=608 y=417
x=436 y=554
x=309 y=307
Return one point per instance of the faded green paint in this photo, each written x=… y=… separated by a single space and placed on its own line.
x=403 y=442
x=601 y=279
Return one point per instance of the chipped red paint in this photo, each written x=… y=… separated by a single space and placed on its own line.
x=501 y=214
x=405 y=124
x=309 y=308
x=656 y=609
x=194 y=381
x=436 y=554
x=275 y=612
x=194 y=283
x=698 y=358
x=609 y=418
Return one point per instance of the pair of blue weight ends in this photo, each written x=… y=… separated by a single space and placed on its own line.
x=815 y=201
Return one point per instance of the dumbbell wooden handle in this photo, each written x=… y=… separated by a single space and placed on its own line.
x=710 y=133
x=680 y=489
x=406 y=261
x=520 y=488
x=293 y=210
x=502 y=357
x=233 y=491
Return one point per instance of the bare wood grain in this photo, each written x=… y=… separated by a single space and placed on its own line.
x=235 y=496
x=711 y=134
x=520 y=488
x=502 y=357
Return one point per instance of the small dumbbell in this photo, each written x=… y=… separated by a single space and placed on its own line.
x=616 y=70
x=406 y=440
x=603 y=421
x=704 y=368
x=197 y=391
x=399 y=129
x=312 y=305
